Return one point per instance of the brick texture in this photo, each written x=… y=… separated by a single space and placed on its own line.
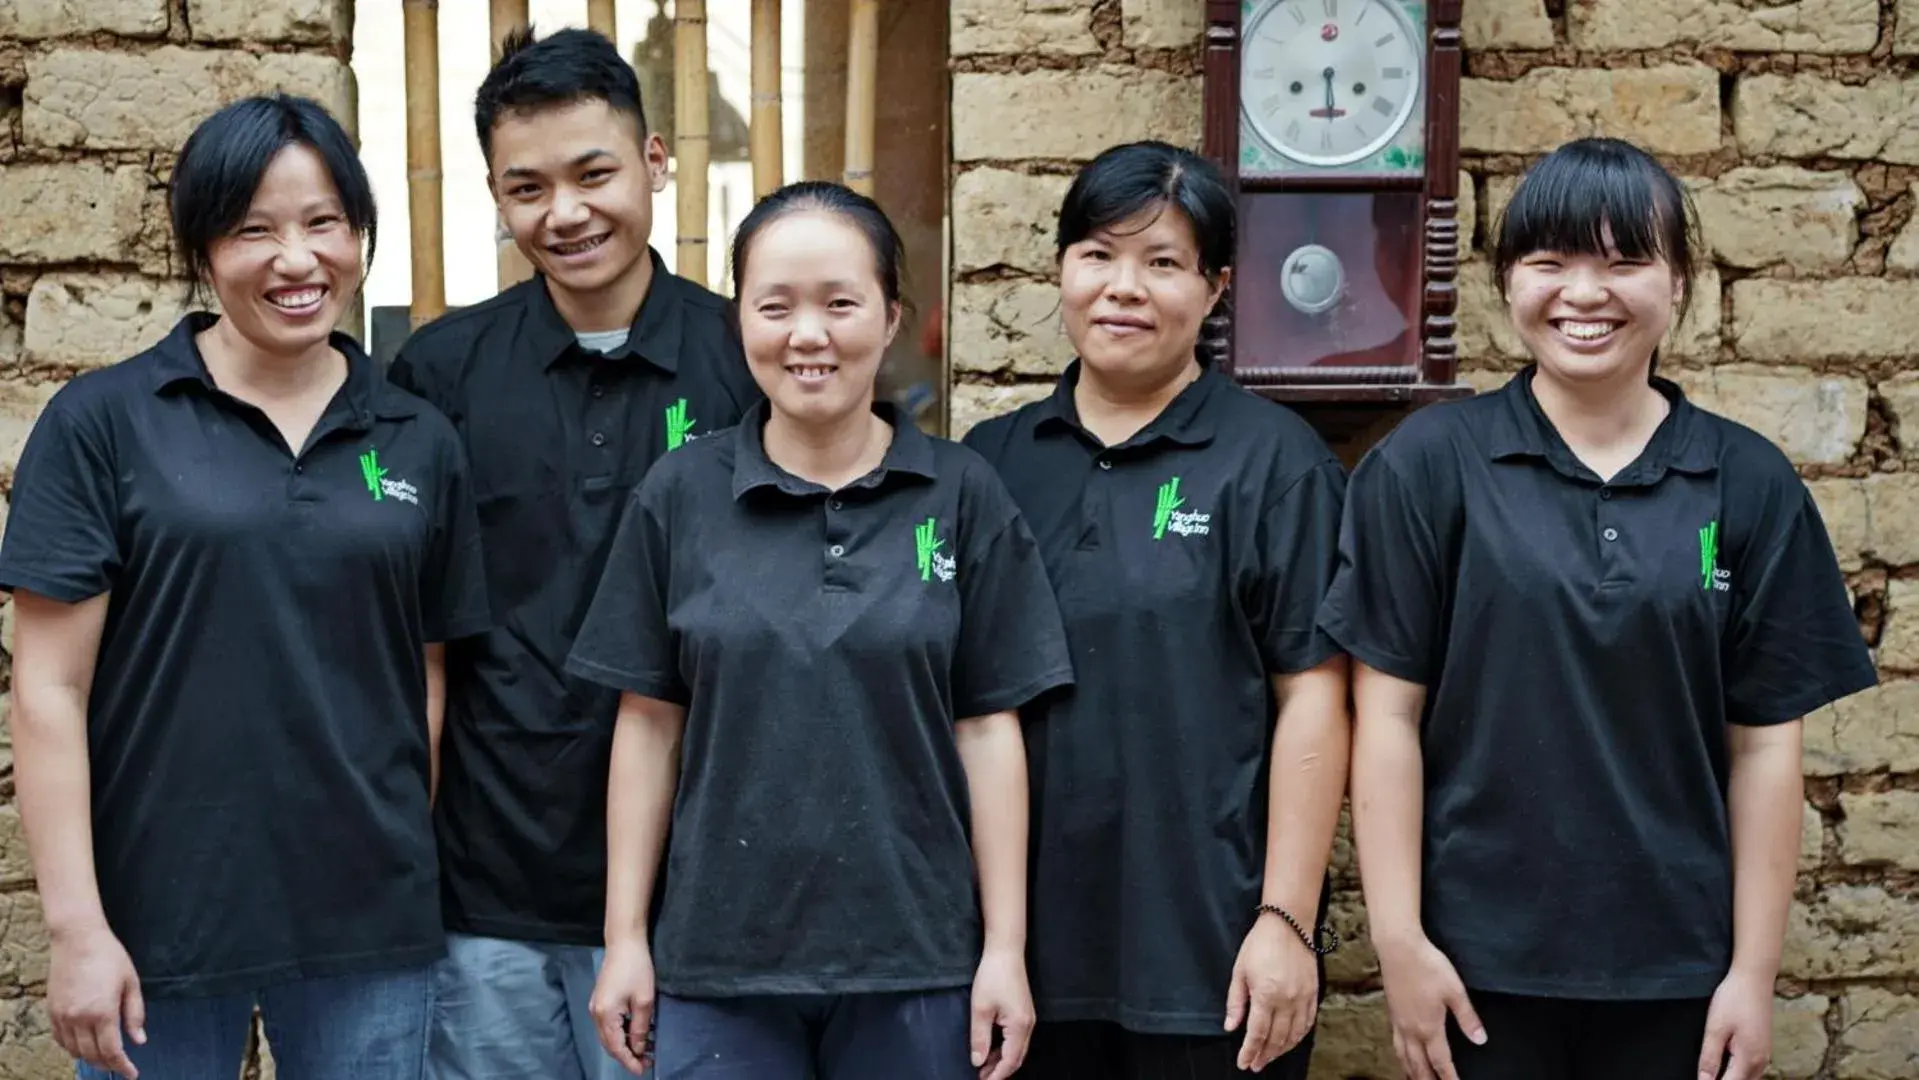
x=101 y=100
x=1880 y=827
x=1670 y=109
x=1506 y=24
x=35 y=19
x=998 y=117
x=1756 y=217
x=1808 y=116
x=1805 y=26
x=1782 y=321
x=1160 y=24
x=1058 y=27
x=69 y=212
x=1011 y=220
x=316 y=22
x=1879 y=1035
x=1799 y=1036
x=1905 y=35
x=90 y=320
x=1875 y=729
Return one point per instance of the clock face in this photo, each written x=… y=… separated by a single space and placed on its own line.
x=1328 y=83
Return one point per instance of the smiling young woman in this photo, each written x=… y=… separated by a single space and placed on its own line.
x=1186 y=791
x=1586 y=617
x=822 y=622
x=233 y=557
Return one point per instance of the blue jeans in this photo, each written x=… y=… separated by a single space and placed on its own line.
x=517 y=1010
x=348 y=1027
x=924 y=1036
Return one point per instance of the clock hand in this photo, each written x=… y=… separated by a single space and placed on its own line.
x=1329 y=112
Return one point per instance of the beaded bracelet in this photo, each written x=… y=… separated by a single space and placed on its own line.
x=1327 y=932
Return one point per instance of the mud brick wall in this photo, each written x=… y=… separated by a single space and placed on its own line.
x=1797 y=126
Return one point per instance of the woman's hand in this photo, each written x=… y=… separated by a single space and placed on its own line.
x=1275 y=992
x=93 y=994
x=1738 y=1023
x=622 y=1004
x=1422 y=987
x=1002 y=999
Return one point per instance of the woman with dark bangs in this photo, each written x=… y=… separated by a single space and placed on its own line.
x=1586 y=618
x=1186 y=791
x=235 y=559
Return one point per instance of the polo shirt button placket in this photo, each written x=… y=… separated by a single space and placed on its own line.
x=836 y=574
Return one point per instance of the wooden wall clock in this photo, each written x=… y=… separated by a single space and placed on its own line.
x=1338 y=123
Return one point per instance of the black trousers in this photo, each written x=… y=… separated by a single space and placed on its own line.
x=1531 y=1038
x=1096 y=1050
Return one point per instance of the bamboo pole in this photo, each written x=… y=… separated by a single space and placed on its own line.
x=422 y=22
x=599 y=16
x=505 y=17
x=862 y=93
x=690 y=148
x=768 y=170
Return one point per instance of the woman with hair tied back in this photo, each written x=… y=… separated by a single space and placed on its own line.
x=822 y=622
x=1186 y=790
x=1586 y=617
x=235 y=556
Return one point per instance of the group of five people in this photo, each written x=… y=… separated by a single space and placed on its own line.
x=615 y=684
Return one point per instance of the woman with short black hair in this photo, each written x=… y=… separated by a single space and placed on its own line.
x=233 y=556
x=1587 y=617
x=1186 y=791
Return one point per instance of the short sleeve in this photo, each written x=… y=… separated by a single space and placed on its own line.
x=626 y=641
x=1012 y=645
x=1792 y=643
x=62 y=538
x=1298 y=550
x=454 y=595
x=1387 y=591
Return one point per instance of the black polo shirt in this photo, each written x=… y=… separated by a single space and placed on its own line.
x=1189 y=562
x=824 y=644
x=257 y=726
x=1584 y=645
x=557 y=436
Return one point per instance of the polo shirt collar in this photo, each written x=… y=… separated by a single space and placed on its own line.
x=178 y=365
x=654 y=336
x=1185 y=420
x=910 y=454
x=1681 y=443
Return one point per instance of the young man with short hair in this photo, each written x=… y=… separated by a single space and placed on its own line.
x=565 y=388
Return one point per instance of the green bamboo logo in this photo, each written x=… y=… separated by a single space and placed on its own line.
x=1708 y=554
x=678 y=425
x=371 y=472
x=1169 y=501
x=925 y=545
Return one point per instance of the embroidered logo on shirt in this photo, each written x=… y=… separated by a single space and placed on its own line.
x=926 y=548
x=1168 y=517
x=379 y=486
x=1710 y=576
x=679 y=426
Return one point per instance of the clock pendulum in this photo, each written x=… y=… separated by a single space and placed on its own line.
x=1312 y=277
